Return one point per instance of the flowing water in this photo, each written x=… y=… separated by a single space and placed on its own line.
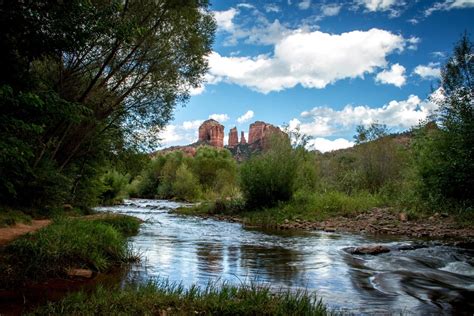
x=418 y=277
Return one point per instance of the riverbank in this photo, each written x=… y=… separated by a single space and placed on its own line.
x=64 y=254
x=376 y=221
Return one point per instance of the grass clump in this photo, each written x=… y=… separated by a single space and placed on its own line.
x=126 y=225
x=66 y=243
x=169 y=299
x=11 y=217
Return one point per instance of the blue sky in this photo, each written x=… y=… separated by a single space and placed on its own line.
x=325 y=66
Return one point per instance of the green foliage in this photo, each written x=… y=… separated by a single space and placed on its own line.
x=68 y=243
x=211 y=174
x=445 y=155
x=155 y=298
x=186 y=185
x=372 y=132
x=79 y=80
x=115 y=185
x=269 y=177
x=209 y=164
x=371 y=166
x=126 y=225
x=10 y=217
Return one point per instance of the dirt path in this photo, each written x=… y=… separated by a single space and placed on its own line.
x=8 y=234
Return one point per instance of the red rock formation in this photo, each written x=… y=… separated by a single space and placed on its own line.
x=233 y=138
x=242 y=138
x=260 y=132
x=212 y=133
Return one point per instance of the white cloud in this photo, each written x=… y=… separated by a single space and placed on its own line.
x=192 y=125
x=246 y=5
x=330 y=9
x=173 y=134
x=413 y=42
x=312 y=59
x=449 y=5
x=197 y=91
x=325 y=145
x=439 y=55
x=398 y=115
x=430 y=71
x=266 y=33
x=304 y=4
x=395 y=76
x=392 y=6
x=219 y=117
x=255 y=30
x=245 y=117
x=224 y=19
x=272 y=7
x=319 y=126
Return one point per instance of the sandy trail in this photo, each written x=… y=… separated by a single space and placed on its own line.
x=8 y=234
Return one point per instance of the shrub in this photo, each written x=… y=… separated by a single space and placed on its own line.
x=11 y=217
x=186 y=185
x=210 y=164
x=114 y=187
x=269 y=177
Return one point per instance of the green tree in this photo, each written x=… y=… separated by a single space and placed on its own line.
x=445 y=156
x=209 y=163
x=186 y=186
x=84 y=80
x=369 y=133
x=269 y=177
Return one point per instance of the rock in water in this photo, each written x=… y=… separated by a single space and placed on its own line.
x=368 y=250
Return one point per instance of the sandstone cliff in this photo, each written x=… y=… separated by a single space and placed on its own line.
x=233 y=138
x=212 y=133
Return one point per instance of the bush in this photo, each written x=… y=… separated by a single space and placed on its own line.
x=269 y=177
x=115 y=185
x=186 y=185
x=11 y=217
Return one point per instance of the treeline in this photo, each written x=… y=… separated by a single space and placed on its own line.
x=85 y=85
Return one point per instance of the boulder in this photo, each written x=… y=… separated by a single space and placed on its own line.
x=368 y=250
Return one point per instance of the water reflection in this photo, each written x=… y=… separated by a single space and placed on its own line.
x=429 y=279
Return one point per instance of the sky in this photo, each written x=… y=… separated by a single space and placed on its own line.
x=323 y=66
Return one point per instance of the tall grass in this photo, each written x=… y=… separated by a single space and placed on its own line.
x=10 y=217
x=124 y=224
x=67 y=243
x=169 y=299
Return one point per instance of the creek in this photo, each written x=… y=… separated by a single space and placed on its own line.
x=416 y=276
